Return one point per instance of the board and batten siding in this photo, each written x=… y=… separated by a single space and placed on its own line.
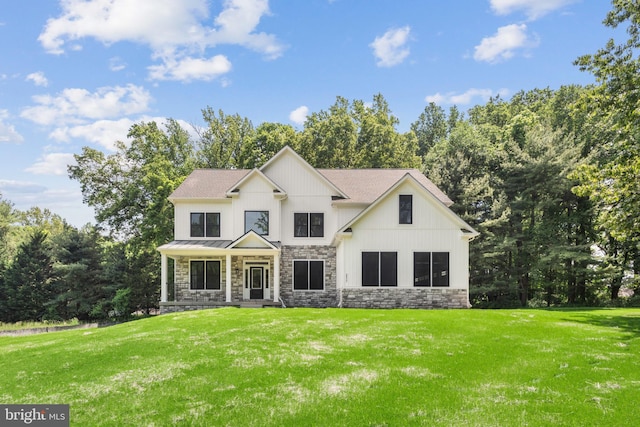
x=256 y=194
x=183 y=210
x=431 y=231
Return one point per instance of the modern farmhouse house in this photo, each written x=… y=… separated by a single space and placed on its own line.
x=292 y=235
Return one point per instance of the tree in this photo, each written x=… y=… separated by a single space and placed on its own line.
x=430 y=128
x=613 y=180
x=27 y=282
x=222 y=142
x=129 y=191
x=269 y=139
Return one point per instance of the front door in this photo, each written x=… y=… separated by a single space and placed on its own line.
x=256 y=283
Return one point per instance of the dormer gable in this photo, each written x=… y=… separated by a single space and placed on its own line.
x=256 y=180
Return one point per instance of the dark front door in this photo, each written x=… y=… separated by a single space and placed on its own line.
x=257 y=283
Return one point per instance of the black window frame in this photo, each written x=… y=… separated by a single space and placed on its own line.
x=205 y=225
x=210 y=280
x=436 y=267
x=379 y=269
x=247 y=229
x=308 y=224
x=405 y=209
x=303 y=275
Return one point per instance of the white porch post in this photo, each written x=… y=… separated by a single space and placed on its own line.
x=164 y=287
x=276 y=277
x=228 y=278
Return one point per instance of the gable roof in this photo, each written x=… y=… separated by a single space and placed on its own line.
x=254 y=173
x=286 y=150
x=409 y=177
x=367 y=185
x=208 y=183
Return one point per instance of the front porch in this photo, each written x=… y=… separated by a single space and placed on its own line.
x=208 y=274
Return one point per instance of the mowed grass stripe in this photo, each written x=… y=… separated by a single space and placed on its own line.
x=243 y=367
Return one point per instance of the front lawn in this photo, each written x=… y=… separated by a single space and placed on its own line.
x=324 y=367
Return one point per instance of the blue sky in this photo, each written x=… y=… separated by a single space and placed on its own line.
x=78 y=73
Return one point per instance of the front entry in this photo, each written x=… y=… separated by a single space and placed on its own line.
x=256 y=282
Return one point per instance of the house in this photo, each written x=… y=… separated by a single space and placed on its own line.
x=289 y=234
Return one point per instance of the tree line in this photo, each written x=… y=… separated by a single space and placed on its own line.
x=549 y=177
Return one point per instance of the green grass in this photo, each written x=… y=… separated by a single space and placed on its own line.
x=303 y=367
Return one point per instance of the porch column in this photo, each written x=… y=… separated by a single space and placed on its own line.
x=228 y=278
x=276 y=277
x=164 y=288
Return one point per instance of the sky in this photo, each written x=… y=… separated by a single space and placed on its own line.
x=77 y=73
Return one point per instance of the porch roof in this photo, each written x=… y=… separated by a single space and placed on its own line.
x=203 y=247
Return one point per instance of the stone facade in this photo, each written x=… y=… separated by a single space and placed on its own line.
x=405 y=298
x=374 y=297
x=298 y=298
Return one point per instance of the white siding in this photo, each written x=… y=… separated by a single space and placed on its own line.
x=256 y=194
x=183 y=210
x=432 y=231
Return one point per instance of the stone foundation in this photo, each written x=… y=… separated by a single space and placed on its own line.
x=405 y=298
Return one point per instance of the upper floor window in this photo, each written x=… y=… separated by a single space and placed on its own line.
x=379 y=269
x=205 y=224
x=431 y=269
x=257 y=221
x=308 y=224
x=406 y=209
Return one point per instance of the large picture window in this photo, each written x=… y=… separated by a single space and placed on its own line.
x=257 y=221
x=379 y=269
x=205 y=275
x=406 y=209
x=431 y=269
x=308 y=275
x=308 y=224
x=205 y=224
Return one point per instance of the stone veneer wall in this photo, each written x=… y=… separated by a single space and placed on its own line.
x=405 y=298
x=326 y=298
x=184 y=294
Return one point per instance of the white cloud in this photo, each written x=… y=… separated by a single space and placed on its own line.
x=188 y=69
x=107 y=132
x=38 y=79
x=77 y=105
x=390 y=48
x=116 y=64
x=174 y=30
x=8 y=132
x=504 y=43
x=534 y=9
x=466 y=97
x=299 y=115
x=52 y=164
x=101 y=132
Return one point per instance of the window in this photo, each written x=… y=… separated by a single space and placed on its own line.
x=406 y=209
x=205 y=275
x=308 y=275
x=257 y=221
x=205 y=224
x=379 y=269
x=308 y=224
x=431 y=269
